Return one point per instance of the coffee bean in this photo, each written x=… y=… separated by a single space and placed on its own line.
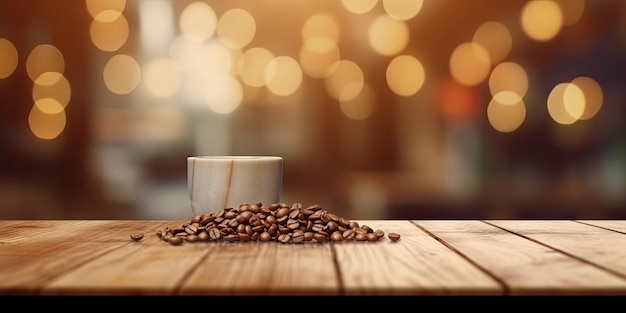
x=203 y=236
x=336 y=236
x=394 y=236
x=278 y=221
x=136 y=236
x=265 y=236
x=215 y=234
x=379 y=233
x=176 y=240
x=297 y=236
x=284 y=238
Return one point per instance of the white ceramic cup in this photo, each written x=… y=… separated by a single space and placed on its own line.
x=218 y=182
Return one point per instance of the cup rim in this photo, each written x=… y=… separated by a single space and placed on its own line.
x=235 y=157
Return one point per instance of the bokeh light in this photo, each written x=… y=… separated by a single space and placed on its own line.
x=345 y=73
x=470 y=64
x=236 y=28
x=359 y=6
x=8 y=58
x=44 y=58
x=52 y=85
x=283 y=76
x=593 y=96
x=506 y=117
x=379 y=39
x=541 y=19
x=198 y=21
x=495 y=38
x=109 y=35
x=405 y=75
x=44 y=125
x=508 y=76
x=121 y=74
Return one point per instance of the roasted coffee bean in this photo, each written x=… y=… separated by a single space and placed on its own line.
x=136 y=236
x=278 y=221
x=203 y=236
x=331 y=226
x=360 y=237
x=244 y=217
x=265 y=236
x=317 y=227
x=367 y=229
x=394 y=236
x=176 y=240
x=336 y=236
x=282 y=212
x=243 y=237
x=231 y=237
x=284 y=238
x=320 y=237
x=379 y=233
x=297 y=236
x=293 y=224
x=215 y=234
x=349 y=234
x=191 y=229
x=308 y=236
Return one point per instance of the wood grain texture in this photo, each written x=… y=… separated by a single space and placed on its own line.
x=524 y=266
x=257 y=268
x=439 y=257
x=602 y=248
x=415 y=264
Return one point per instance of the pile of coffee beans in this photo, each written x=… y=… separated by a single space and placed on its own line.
x=276 y=222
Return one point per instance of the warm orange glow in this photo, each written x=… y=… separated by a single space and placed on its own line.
x=506 y=117
x=236 y=28
x=44 y=58
x=359 y=6
x=52 y=85
x=283 y=76
x=593 y=96
x=508 y=76
x=317 y=54
x=345 y=73
x=109 y=35
x=252 y=65
x=495 y=38
x=456 y=101
x=46 y=125
x=198 y=20
x=470 y=64
x=121 y=74
x=541 y=19
x=8 y=58
x=360 y=107
x=405 y=75
x=379 y=39
x=402 y=9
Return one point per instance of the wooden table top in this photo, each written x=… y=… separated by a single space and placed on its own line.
x=432 y=257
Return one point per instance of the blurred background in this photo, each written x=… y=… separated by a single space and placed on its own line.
x=382 y=109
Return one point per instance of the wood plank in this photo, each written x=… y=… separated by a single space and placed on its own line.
x=415 y=264
x=616 y=225
x=526 y=267
x=265 y=268
x=604 y=248
x=36 y=252
x=150 y=266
